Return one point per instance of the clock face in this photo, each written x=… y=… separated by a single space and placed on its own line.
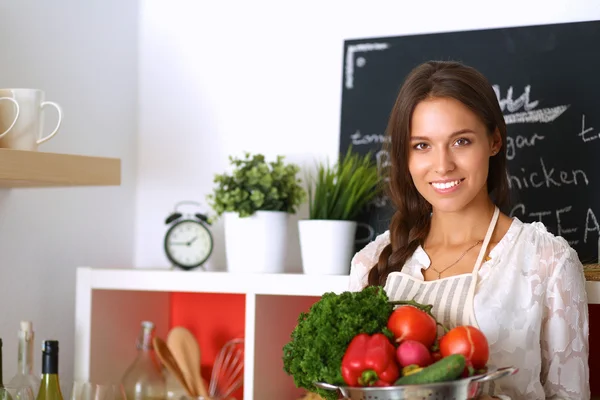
x=188 y=243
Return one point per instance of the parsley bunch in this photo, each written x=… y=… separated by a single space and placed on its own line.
x=320 y=339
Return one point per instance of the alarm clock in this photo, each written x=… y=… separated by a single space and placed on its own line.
x=188 y=241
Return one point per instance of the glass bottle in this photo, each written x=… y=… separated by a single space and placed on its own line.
x=50 y=384
x=143 y=380
x=4 y=395
x=1 y=380
x=24 y=376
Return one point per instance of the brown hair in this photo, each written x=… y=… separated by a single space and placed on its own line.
x=410 y=223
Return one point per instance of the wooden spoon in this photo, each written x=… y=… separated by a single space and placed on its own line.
x=186 y=351
x=166 y=357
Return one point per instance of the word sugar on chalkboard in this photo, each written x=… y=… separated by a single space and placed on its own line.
x=547 y=81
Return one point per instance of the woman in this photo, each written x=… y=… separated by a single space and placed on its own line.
x=449 y=245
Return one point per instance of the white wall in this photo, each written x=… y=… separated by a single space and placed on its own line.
x=84 y=55
x=217 y=78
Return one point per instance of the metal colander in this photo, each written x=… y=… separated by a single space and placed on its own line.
x=462 y=389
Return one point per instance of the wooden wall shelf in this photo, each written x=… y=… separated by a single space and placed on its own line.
x=19 y=168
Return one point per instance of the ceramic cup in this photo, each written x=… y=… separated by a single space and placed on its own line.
x=22 y=118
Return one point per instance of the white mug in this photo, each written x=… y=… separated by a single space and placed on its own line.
x=22 y=126
x=3 y=109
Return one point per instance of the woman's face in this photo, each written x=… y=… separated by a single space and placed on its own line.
x=449 y=153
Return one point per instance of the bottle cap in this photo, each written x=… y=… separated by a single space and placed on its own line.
x=148 y=324
x=50 y=346
x=26 y=326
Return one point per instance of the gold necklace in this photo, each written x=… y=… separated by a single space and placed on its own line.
x=454 y=263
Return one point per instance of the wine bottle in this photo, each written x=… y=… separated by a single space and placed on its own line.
x=143 y=380
x=24 y=376
x=1 y=380
x=50 y=384
x=4 y=394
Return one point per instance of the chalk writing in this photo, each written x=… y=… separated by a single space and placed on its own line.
x=383 y=161
x=547 y=178
x=369 y=233
x=584 y=132
x=591 y=225
x=530 y=114
x=514 y=105
x=544 y=115
x=351 y=51
x=591 y=222
x=358 y=138
x=560 y=231
x=512 y=144
x=380 y=201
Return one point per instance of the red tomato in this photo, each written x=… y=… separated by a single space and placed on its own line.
x=410 y=323
x=468 y=341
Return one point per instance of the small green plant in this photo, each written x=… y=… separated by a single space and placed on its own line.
x=341 y=191
x=256 y=184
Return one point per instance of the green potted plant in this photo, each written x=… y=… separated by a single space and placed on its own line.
x=336 y=195
x=256 y=199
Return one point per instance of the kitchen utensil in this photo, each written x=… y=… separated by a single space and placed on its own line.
x=228 y=371
x=462 y=389
x=166 y=357
x=186 y=351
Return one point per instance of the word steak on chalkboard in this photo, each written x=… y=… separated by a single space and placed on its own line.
x=547 y=81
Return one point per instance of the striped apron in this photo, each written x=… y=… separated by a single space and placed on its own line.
x=451 y=297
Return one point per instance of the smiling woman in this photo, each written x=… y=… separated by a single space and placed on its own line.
x=449 y=155
x=449 y=245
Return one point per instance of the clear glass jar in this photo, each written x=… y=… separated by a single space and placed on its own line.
x=175 y=391
x=144 y=380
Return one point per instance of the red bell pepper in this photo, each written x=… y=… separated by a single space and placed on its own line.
x=370 y=361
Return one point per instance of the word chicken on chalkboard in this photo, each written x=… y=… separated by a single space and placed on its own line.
x=547 y=81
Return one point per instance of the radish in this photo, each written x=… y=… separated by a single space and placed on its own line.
x=411 y=352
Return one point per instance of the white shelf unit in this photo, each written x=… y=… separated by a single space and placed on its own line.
x=111 y=302
x=593 y=292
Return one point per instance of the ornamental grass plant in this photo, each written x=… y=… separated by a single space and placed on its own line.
x=342 y=190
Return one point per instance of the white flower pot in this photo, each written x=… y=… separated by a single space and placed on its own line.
x=326 y=246
x=256 y=244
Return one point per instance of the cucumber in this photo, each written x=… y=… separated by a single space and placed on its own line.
x=444 y=370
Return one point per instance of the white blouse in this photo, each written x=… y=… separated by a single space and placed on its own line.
x=531 y=304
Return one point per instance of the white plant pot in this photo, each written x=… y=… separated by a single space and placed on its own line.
x=326 y=246
x=256 y=244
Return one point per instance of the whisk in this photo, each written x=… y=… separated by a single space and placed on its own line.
x=228 y=372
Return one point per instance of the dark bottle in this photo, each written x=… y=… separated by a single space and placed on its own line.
x=1 y=380
x=50 y=385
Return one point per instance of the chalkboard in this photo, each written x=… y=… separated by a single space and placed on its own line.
x=547 y=80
